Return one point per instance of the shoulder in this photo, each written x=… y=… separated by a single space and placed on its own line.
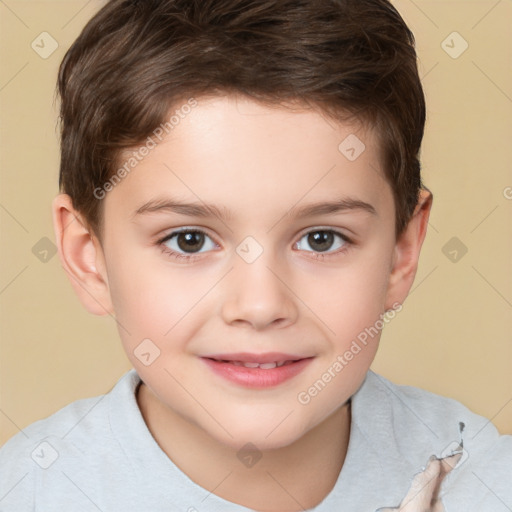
x=423 y=411
x=69 y=423
x=418 y=424
x=59 y=441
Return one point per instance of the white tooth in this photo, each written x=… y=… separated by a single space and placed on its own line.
x=280 y=363
x=267 y=366
x=251 y=365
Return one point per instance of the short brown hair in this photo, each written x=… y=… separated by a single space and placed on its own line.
x=136 y=59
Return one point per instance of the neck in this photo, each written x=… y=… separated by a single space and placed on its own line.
x=292 y=478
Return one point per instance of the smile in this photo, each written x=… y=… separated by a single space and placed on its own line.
x=263 y=366
x=257 y=371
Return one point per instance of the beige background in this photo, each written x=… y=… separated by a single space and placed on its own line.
x=453 y=336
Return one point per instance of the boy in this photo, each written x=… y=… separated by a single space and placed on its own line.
x=282 y=138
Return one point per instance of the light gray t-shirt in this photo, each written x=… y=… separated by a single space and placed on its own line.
x=97 y=454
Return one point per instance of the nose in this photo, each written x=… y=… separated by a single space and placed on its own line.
x=257 y=294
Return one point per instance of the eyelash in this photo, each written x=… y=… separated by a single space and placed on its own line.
x=192 y=257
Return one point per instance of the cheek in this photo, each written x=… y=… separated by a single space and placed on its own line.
x=352 y=311
x=147 y=293
x=353 y=298
x=151 y=300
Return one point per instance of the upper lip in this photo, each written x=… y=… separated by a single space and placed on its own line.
x=246 y=357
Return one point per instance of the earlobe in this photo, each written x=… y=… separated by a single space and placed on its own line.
x=81 y=257
x=407 y=251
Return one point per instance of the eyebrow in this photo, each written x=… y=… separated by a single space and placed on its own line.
x=211 y=210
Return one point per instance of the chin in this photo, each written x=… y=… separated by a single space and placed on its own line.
x=267 y=435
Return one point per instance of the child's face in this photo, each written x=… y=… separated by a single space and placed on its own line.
x=308 y=297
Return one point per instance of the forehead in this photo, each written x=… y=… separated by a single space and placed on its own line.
x=247 y=156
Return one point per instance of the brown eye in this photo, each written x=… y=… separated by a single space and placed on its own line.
x=190 y=241
x=324 y=242
x=321 y=240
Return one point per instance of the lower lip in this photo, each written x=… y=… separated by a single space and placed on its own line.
x=257 y=377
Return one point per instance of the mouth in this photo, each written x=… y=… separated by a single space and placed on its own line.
x=263 y=366
x=257 y=370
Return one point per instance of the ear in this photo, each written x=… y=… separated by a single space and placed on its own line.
x=81 y=256
x=407 y=252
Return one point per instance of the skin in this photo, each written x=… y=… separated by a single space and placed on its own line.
x=260 y=163
x=423 y=495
